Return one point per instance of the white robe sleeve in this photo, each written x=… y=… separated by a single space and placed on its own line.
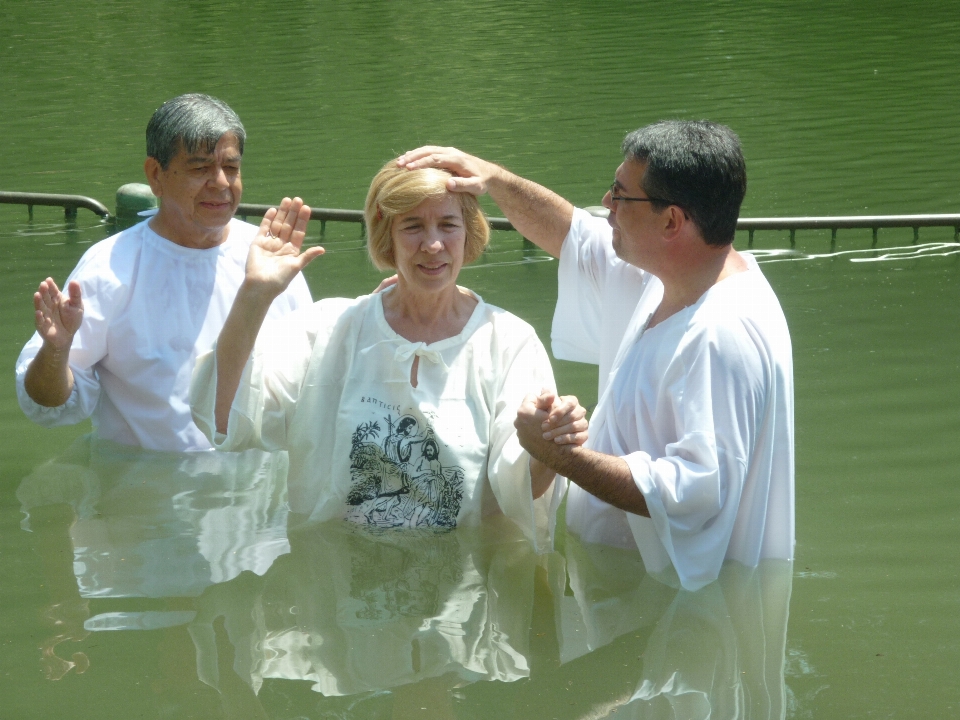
x=585 y=256
x=693 y=490
x=525 y=370
x=89 y=346
x=271 y=382
x=598 y=296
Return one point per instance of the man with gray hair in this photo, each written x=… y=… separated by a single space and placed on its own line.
x=120 y=344
x=690 y=456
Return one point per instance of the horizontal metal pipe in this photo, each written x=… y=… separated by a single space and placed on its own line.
x=499 y=223
x=324 y=214
x=64 y=201
x=786 y=223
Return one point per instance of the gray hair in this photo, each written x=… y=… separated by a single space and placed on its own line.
x=195 y=122
x=697 y=165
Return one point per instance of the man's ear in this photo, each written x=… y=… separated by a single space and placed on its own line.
x=153 y=171
x=674 y=220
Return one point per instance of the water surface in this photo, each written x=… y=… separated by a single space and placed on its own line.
x=842 y=107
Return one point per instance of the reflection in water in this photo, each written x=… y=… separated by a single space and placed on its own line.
x=864 y=255
x=142 y=524
x=380 y=623
x=357 y=611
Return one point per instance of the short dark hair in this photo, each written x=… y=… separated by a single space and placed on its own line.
x=193 y=122
x=697 y=165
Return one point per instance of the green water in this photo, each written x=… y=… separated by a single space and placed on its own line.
x=842 y=107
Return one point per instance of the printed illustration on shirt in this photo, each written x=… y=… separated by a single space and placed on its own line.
x=397 y=476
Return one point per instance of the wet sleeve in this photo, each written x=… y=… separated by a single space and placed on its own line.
x=525 y=370
x=272 y=380
x=89 y=347
x=585 y=257
x=693 y=490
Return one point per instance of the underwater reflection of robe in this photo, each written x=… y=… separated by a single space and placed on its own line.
x=152 y=524
x=355 y=610
x=632 y=646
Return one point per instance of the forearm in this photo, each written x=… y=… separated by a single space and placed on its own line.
x=49 y=380
x=539 y=214
x=236 y=342
x=607 y=477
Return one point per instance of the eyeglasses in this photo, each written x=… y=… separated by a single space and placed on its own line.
x=614 y=197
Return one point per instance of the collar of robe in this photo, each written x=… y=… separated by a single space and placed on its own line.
x=405 y=352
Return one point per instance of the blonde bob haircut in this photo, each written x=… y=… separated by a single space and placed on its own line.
x=395 y=191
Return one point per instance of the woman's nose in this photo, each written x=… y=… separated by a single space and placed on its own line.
x=433 y=242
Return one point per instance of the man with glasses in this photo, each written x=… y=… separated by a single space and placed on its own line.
x=690 y=456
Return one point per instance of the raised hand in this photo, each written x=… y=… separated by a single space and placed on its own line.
x=275 y=255
x=472 y=174
x=57 y=316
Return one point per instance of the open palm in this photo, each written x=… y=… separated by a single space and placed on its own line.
x=276 y=254
x=58 y=315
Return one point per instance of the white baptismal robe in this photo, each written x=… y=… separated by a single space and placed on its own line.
x=332 y=386
x=150 y=307
x=700 y=407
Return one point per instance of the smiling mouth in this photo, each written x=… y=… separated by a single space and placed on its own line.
x=432 y=269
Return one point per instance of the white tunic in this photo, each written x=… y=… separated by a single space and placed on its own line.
x=150 y=307
x=332 y=386
x=700 y=407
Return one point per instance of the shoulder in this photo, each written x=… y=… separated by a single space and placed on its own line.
x=112 y=261
x=238 y=241
x=322 y=316
x=585 y=224
x=740 y=320
x=506 y=322
x=503 y=334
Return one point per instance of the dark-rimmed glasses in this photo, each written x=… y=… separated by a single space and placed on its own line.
x=614 y=197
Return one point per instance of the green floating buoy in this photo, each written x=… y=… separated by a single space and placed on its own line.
x=134 y=198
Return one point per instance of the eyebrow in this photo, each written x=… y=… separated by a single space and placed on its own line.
x=419 y=218
x=212 y=158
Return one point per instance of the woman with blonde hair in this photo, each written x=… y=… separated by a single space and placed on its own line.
x=360 y=392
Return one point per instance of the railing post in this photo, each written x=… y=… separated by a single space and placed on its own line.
x=793 y=238
x=750 y=241
x=916 y=235
x=875 y=231
x=833 y=239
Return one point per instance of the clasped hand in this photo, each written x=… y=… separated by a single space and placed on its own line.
x=548 y=424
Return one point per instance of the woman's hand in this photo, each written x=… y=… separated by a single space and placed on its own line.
x=57 y=316
x=275 y=255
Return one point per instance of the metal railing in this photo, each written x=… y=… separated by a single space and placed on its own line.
x=245 y=210
x=70 y=204
x=864 y=222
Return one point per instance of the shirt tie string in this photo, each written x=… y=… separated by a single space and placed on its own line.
x=405 y=352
